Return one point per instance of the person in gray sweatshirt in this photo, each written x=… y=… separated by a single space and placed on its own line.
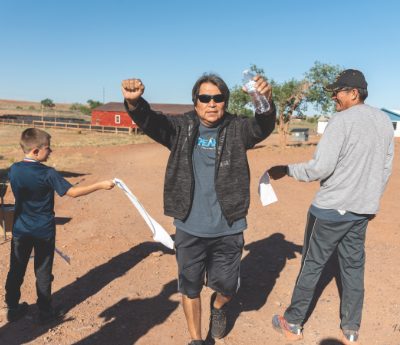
x=353 y=162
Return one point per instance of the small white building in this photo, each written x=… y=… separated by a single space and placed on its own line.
x=394 y=116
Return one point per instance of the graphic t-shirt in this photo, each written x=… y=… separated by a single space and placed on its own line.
x=33 y=185
x=206 y=218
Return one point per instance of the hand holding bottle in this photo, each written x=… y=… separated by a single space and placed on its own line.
x=259 y=90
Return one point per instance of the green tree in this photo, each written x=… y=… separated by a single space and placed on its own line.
x=47 y=103
x=319 y=76
x=93 y=104
x=84 y=109
x=239 y=101
x=292 y=97
x=288 y=98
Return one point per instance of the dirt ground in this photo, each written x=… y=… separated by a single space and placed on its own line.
x=120 y=287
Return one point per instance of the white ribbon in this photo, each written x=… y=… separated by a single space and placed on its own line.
x=159 y=233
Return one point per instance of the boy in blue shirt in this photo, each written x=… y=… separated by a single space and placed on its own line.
x=33 y=185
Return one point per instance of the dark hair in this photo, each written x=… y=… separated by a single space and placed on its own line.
x=32 y=138
x=362 y=94
x=213 y=79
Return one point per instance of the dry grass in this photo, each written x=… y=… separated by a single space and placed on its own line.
x=11 y=107
x=10 y=150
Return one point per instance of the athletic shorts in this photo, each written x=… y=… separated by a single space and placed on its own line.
x=214 y=262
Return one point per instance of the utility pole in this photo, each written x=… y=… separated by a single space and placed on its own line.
x=104 y=94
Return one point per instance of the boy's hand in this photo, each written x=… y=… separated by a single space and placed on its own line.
x=132 y=90
x=108 y=184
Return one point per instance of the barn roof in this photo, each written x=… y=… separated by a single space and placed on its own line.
x=171 y=109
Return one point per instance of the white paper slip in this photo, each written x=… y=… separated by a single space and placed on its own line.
x=159 y=233
x=267 y=194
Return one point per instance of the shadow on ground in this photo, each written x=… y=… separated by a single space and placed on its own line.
x=128 y=320
x=68 y=174
x=302 y=144
x=331 y=341
x=62 y=220
x=3 y=175
x=27 y=330
x=259 y=271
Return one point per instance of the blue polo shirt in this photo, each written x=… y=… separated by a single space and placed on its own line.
x=33 y=185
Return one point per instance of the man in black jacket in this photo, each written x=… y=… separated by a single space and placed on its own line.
x=206 y=189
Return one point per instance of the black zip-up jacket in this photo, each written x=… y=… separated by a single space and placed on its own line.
x=232 y=175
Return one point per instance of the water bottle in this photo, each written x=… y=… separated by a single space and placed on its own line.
x=260 y=102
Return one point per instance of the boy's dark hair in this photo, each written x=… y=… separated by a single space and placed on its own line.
x=213 y=79
x=32 y=138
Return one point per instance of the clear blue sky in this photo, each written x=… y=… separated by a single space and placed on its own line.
x=70 y=51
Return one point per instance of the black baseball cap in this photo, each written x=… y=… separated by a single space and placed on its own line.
x=348 y=78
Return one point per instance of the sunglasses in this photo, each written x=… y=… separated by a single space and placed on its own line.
x=335 y=92
x=207 y=98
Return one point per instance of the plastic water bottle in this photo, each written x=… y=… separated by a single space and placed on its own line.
x=260 y=102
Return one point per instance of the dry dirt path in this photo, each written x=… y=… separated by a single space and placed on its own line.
x=121 y=287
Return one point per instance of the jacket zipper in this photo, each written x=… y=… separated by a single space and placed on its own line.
x=190 y=159
x=220 y=144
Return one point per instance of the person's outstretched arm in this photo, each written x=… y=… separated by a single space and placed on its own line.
x=156 y=125
x=74 y=192
x=325 y=158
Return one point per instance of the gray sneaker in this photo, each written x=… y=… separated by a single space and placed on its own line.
x=350 y=337
x=217 y=319
x=290 y=331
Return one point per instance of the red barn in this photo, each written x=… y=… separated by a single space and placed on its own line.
x=114 y=113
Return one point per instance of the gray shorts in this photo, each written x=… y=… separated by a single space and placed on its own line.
x=214 y=262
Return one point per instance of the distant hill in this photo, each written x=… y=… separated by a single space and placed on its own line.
x=14 y=107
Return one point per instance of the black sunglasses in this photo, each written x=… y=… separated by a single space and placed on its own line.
x=335 y=92
x=207 y=98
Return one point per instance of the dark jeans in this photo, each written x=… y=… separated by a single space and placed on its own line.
x=21 y=249
x=321 y=239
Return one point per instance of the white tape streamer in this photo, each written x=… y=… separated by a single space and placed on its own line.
x=159 y=233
